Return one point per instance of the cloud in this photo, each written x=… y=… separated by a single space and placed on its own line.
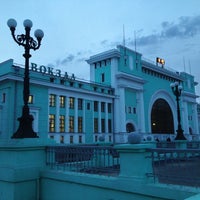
x=70 y=58
x=186 y=27
x=67 y=59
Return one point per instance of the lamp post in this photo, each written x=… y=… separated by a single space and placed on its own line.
x=177 y=89
x=25 y=129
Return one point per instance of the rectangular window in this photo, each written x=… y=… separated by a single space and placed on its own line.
x=62 y=123
x=62 y=81
x=52 y=100
x=71 y=124
x=103 y=125
x=88 y=106
x=62 y=101
x=96 y=106
x=109 y=126
x=102 y=77
x=61 y=139
x=80 y=104
x=102 y=106
x=71 y=139
x=51 y=123
x=80 y=124
x=3 y=97
x=96 y=138
x=95 y=125
x=51 y=137
x=30 y=99
x=80 y=139
x=109 y=107
x=71 y=102
x=110 y=138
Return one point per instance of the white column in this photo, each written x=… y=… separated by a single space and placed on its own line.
x=116 y=115
x=122 y=115
x=195 y=119
x=140 y=111
x=184 y=117
x=106 y=117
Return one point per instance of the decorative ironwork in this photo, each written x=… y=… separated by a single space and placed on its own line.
x=102 y=160
x=173 y=166
x=177 y=89
x=25 y=129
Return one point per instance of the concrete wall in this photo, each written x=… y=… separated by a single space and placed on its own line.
x=25 y=176
x=132 y=182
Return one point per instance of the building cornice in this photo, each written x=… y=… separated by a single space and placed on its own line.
x=189 y=95
x=113 y=53
x=129 y=77
x=161 y=70
x=58 y=86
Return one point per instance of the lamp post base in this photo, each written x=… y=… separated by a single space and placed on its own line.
x=180 y=135
x=25 y=129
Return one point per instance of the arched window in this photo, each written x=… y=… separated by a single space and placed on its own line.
x=130 y=127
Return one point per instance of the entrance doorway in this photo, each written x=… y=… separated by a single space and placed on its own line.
x=162 y=117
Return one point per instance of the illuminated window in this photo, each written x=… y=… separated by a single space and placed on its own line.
x=51 y=123
x=80 y=124
x=95 y=125
x=30 y=99
x=71 y=124
x=62 y=101
x=71 y=102
x=52 y=100
x=62 y=123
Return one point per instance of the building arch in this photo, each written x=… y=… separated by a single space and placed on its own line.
x=161 y=117
x=130 y=126
x=162 y=104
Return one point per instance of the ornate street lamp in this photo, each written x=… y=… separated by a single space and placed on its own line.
x=25 y=129
x=177 y=89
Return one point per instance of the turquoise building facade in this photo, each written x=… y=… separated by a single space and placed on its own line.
x=125 y=93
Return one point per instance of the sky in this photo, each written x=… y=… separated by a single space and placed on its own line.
x=74 y=30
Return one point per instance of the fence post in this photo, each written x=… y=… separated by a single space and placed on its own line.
x=135 y=161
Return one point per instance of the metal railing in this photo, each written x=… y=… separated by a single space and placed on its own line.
x=176 y=166
x=173 y=144
x=102 y=160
